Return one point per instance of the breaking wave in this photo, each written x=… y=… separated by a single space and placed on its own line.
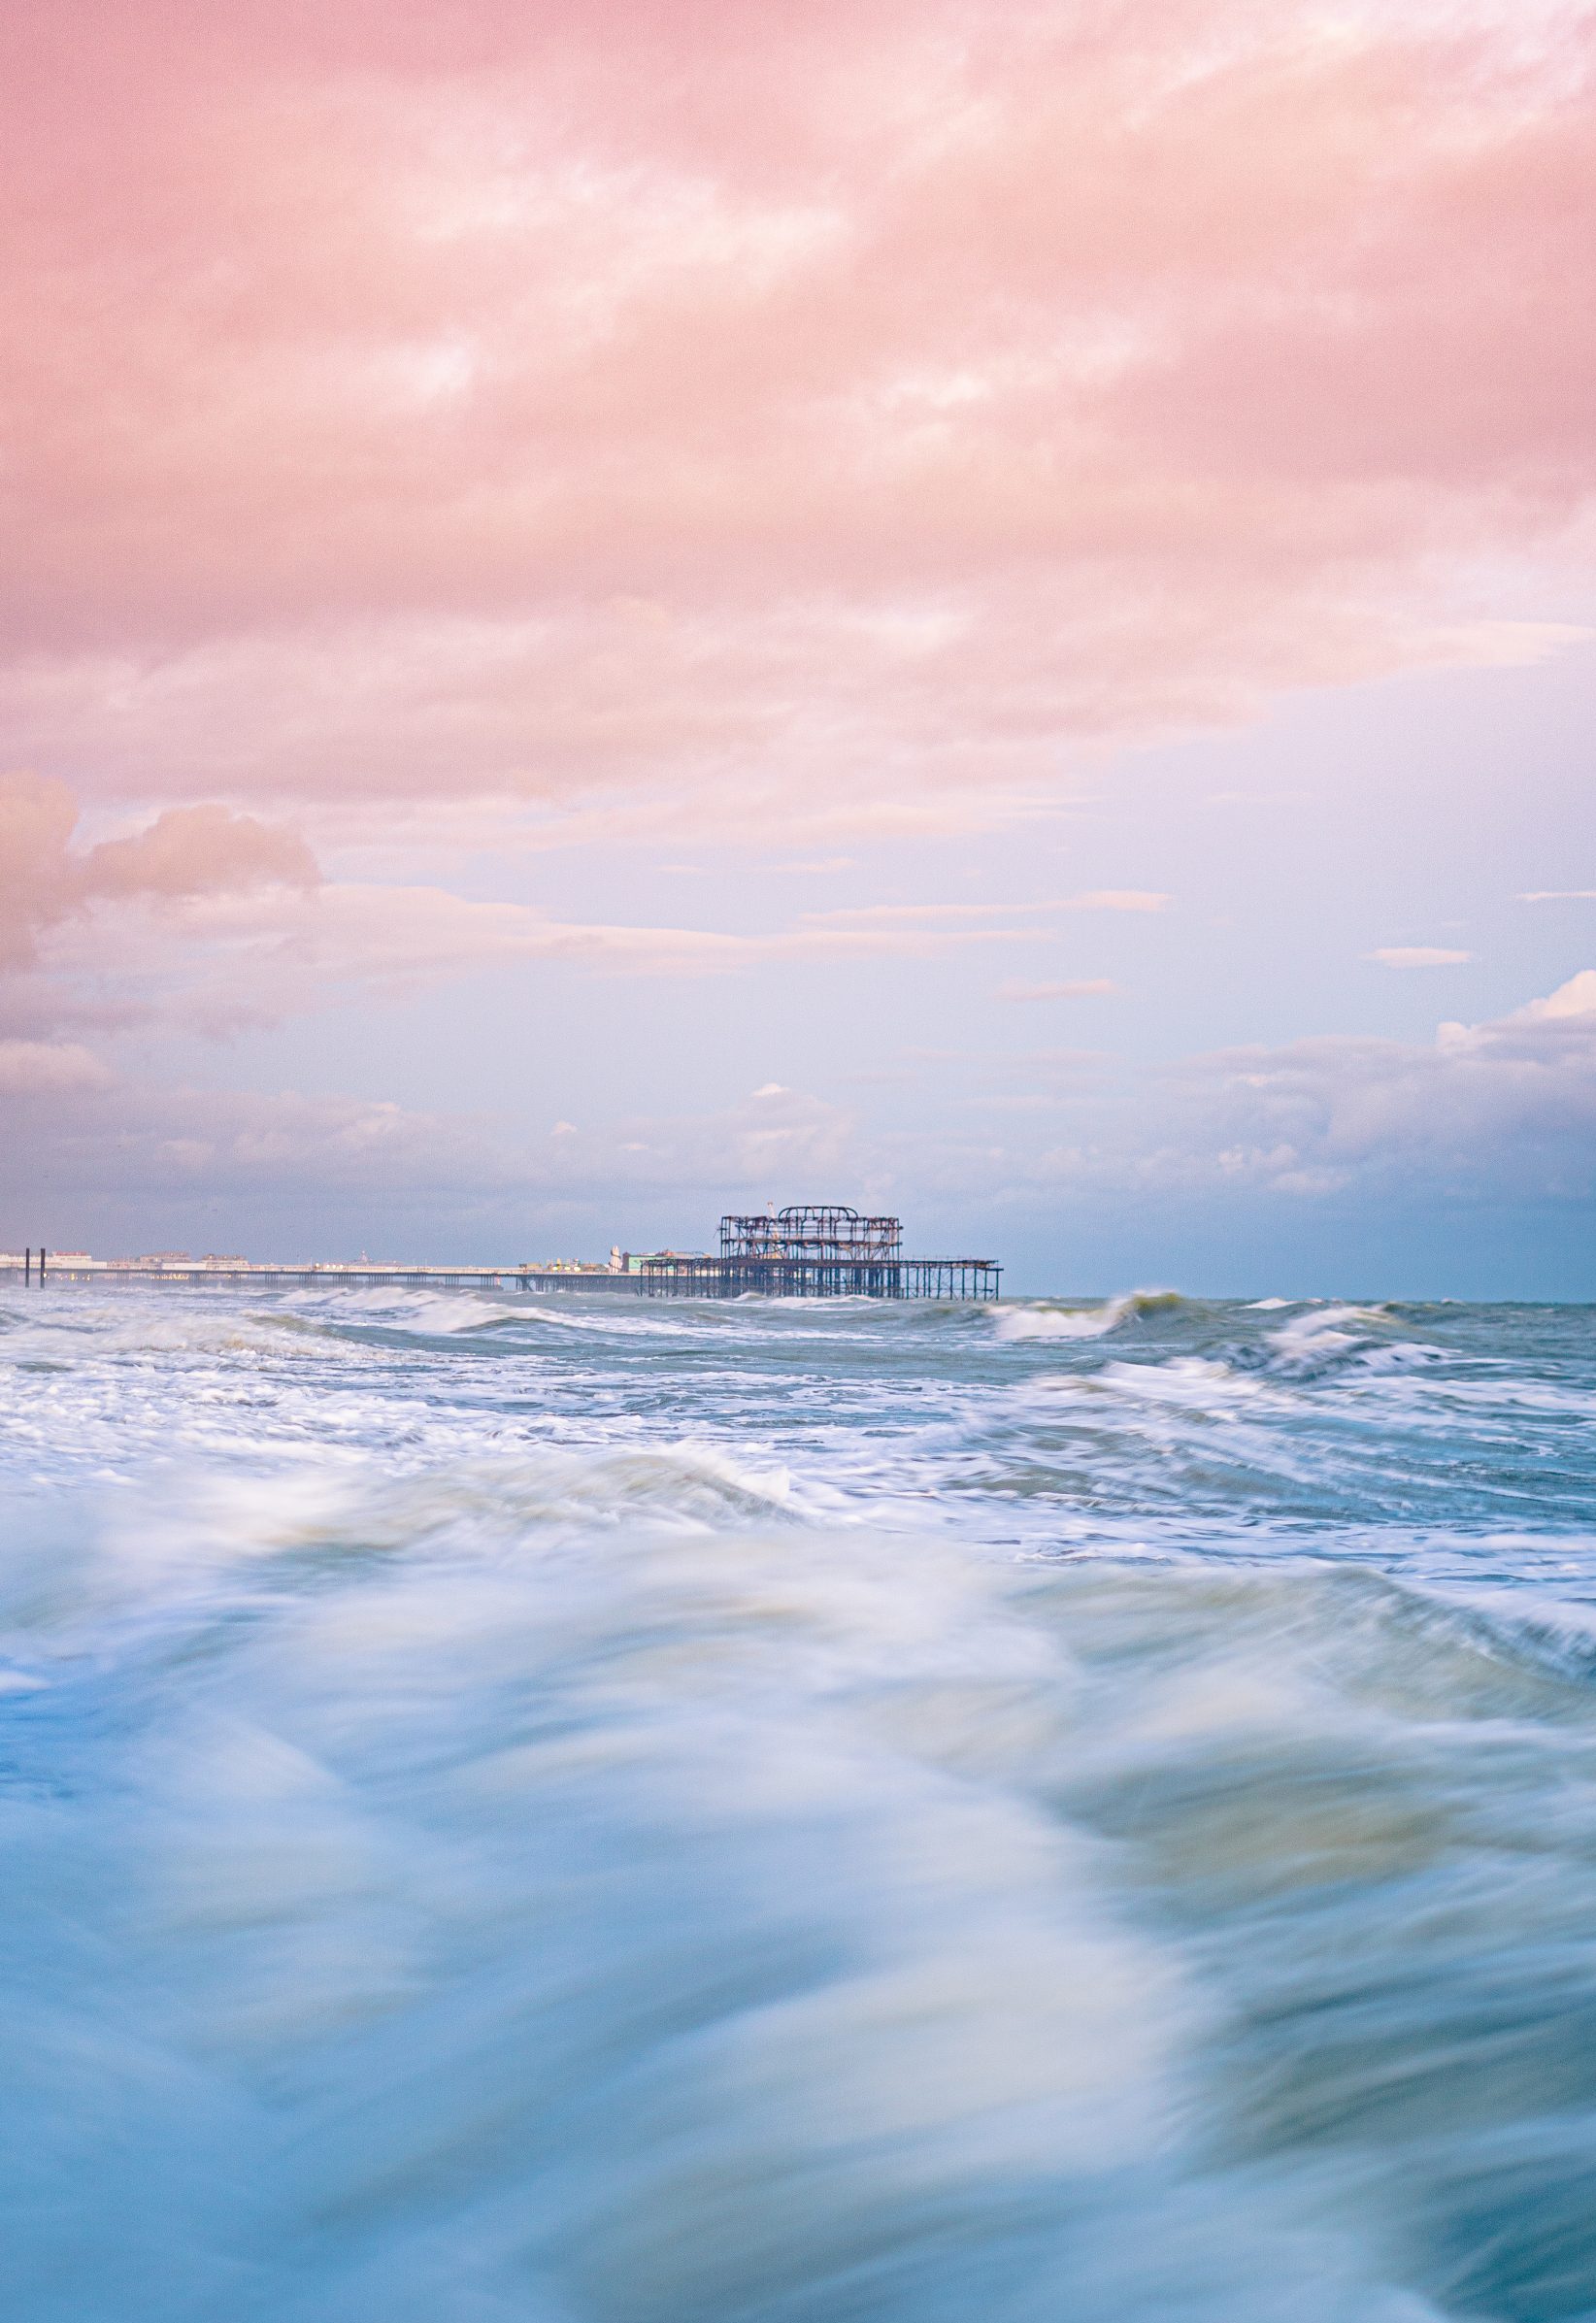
x=1040 y=1320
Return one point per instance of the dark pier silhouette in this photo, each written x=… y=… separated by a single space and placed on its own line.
x=816 y=1251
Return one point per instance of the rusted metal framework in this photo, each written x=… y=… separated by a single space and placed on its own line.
x=818 y=1234
x=814 y=1251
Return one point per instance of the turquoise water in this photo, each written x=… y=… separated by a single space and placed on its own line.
x=660 y=1813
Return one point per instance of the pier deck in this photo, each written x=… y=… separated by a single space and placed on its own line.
x=675 y=1279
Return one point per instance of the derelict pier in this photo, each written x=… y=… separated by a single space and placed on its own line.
x=813 y=1251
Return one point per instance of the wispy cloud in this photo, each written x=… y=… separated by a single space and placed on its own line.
x=1116 y=899
x=1094 y=988
x=1419 y=955
x=1104 y=899
x=213 y=919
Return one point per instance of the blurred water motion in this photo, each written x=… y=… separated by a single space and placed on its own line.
x=1048 y=1817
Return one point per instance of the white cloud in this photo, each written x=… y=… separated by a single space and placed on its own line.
x=1560 y=895
x=1506 y=1107
x=1575 y=999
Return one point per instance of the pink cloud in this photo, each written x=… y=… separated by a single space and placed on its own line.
x=198 y=850
x=37 y=820
x=448 y=400
x=50 y=1068
x=186 y=853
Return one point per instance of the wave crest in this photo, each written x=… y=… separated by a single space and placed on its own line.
x=1043 y=1320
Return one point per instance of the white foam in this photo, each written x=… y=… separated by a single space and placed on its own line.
x=438 y=1312
x=1309 y=1339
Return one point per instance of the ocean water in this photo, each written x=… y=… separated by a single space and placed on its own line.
x=579 y=1812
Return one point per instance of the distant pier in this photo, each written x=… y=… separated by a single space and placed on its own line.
x=806 y=1251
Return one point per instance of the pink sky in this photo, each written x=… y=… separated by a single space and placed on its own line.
x=437 y=432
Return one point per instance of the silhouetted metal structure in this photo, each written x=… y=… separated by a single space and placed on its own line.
x=817 y=1251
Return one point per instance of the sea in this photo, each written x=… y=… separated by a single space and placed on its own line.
x=573 y=1809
